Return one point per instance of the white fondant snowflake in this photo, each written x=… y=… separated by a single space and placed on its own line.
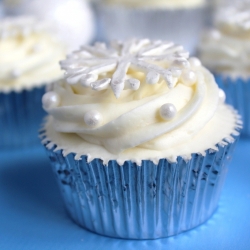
x=20 y=26
x=91 y=64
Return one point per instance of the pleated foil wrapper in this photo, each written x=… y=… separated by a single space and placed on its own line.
x=21 y=114
x=182 y=25
x=237 y=92
x=146 y=201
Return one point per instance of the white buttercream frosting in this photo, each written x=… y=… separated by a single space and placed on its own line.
x=159 y=3
x=225 y=49
x=157 y=120
x=29 y=54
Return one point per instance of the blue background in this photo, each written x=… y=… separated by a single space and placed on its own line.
x=32 y=215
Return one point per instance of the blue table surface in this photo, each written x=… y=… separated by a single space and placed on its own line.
x=32 y=215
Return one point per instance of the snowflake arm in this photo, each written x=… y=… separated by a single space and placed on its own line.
x=119 y=77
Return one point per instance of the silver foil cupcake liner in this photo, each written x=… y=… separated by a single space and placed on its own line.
x=237 y=92
x=141 y=202
x=21 y=114
x=182 y=26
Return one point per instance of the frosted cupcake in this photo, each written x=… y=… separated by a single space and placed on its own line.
x=225 y=51
x=139 y=138
x=178 y=20
x=29 y=58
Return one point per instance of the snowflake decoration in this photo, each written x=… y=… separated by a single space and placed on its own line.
x=237 y=16
x=20 y=26
x=91 y=64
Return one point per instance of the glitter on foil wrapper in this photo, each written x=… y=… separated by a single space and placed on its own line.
x=146 y=201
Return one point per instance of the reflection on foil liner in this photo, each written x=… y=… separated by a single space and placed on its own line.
x=141 y=202
x=237 y=92
x=21 y=114
x=182 y=26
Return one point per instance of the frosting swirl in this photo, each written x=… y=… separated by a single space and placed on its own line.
x=29 y=54
x=225 y=49
x=176 y=99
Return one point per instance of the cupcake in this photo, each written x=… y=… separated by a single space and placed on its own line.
x=181 y=21
x=139 y=138
x=29 y=58
x=225 y=51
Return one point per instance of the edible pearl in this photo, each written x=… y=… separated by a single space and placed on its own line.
x=92 y=118
x=51 y=100
x=188 y=77
x=194 y=62
x=222 y=96
x=168 y=111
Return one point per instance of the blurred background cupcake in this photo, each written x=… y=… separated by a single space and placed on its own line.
x=29 y=56
x=179 y=21
x=225 y=50
x=73 y=20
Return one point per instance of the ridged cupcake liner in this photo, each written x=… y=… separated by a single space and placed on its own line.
x=141 y=202
x=237 y=92
x=181 y=25
x=21 y=114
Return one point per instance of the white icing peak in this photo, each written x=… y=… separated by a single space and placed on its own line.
x=100 y=67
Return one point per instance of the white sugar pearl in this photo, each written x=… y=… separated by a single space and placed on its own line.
x=168 y=111
x=92 y=118
x=222 y=96
x=188 y=77
x=51 y=100
x=194 y=62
